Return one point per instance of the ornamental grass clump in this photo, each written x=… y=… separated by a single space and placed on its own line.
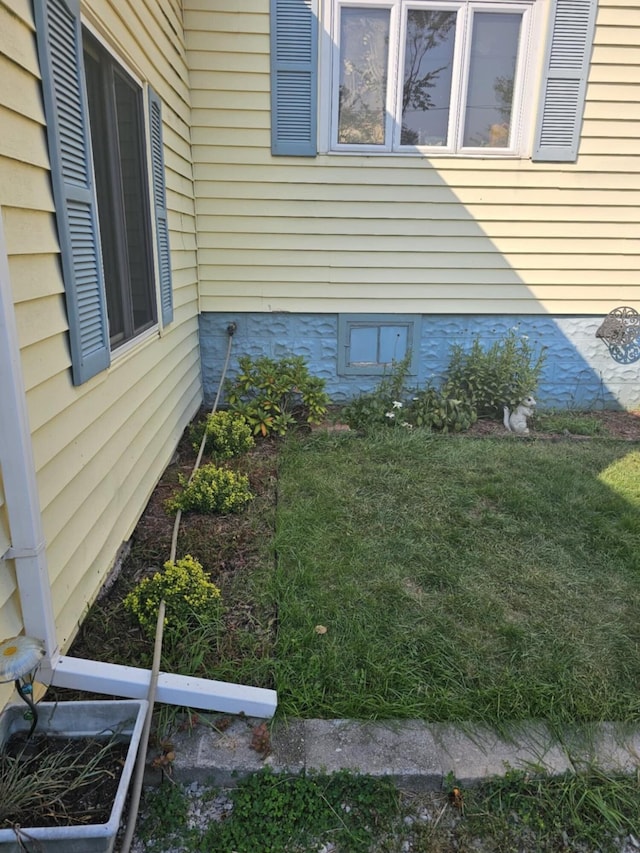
x=190 y=597
x=228 y=435
x=212 y=490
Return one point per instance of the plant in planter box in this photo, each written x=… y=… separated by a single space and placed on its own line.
x=64 y=775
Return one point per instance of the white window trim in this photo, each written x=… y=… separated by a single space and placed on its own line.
x=525 y=94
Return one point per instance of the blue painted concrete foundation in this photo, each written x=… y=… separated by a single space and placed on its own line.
x=579 y=371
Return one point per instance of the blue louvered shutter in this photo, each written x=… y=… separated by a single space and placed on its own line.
x=160 y=202
x=564 y=86
x=294 y=69
x=59 y=37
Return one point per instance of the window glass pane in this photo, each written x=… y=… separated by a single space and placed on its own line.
x=105 y=189
x=393 y=344
x=364 y=50
x=363 y=345
x=134 y=193
x=428 y=66
x=492 y=68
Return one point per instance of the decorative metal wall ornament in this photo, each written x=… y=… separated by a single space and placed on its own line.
x=620 y=330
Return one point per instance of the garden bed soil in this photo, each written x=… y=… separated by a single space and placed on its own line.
x=617 y=425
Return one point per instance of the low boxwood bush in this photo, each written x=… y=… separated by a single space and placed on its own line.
x=228 y=434
x=212 y=490
x=188 y=594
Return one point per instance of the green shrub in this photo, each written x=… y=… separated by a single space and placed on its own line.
x=274 y=395
x=228 y=434
x=382 y=406
x=440 y=411
x=212 y=490
x=502 y=375
x=188 y=594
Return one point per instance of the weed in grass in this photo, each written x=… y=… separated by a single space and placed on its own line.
x=273 y=813
x=165 y=816
x=588 y=810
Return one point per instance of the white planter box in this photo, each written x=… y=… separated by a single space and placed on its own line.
x=77 y=719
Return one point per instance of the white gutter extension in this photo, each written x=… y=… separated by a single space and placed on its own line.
x=29 y=554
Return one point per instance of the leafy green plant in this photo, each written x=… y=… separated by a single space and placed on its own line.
x=274 y=395
x=391 y=404
x=440 y=411
x=212 y=490
x=188 y=594
x=165 y=815
x=228 y=434
x=502 y=375
x=276 y=812
x=382 y=406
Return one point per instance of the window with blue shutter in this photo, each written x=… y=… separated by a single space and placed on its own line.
x=294 y=61
x=396 y=80
x=572 y=25
x=60 y=53
x=98 y=151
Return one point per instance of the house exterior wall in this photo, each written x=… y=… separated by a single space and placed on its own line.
x=438 y=238
x=99 y=447
x=569 y=346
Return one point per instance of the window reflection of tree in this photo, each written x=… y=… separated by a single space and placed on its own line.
x=425 y=31
x=363 y=77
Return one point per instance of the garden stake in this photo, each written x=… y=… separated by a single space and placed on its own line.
x=144 y=740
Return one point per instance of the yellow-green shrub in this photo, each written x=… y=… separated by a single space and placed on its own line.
x=228 y=434
x=212 y=490
x=188 y=594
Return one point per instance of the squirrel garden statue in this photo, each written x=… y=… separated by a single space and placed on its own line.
x=516 y=421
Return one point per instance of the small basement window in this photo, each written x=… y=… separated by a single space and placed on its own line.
x=370 y=344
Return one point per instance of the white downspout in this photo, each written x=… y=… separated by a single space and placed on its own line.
x=18 y=474
x=28 y=552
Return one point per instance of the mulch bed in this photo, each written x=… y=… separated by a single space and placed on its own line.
x=617 y=425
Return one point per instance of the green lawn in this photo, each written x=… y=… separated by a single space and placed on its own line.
x=457 y=578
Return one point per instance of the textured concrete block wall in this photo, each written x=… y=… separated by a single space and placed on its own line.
x=579 y=371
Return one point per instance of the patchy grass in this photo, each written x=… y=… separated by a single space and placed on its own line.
x=458 y=579
x=411 y=576
x=585 y=812
x=569 y=423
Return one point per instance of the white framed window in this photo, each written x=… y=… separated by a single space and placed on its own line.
x=108 y=178
x=439 y=76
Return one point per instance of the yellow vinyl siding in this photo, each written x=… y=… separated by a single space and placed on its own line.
x=100 y=447
x=408 y=233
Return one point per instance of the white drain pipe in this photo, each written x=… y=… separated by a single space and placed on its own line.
x=18 y=475
x=29 y=553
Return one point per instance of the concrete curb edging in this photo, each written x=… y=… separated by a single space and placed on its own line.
x=418 y=756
